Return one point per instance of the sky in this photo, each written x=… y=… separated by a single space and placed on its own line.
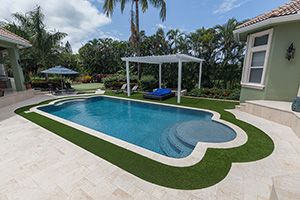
x=84 y=20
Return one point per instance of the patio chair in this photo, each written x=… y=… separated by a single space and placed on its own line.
x=159 y=94
x=134 y=89
x=69 y=88
x=54 y=89
x=121 y=89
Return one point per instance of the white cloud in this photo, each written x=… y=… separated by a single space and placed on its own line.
x=80 y=19
x=228 y=5
x=161 y=26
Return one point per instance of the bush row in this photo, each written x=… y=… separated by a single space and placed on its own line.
x=36 y=78
x=98 y=78
x=44 y=84
x=216 y=93
x=118 y=85
x=86 y=79
x=147 y=83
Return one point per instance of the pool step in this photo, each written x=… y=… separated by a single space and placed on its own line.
x=172 y=145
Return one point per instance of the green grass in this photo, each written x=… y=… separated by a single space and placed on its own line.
x=88 y=86
x=214 y=166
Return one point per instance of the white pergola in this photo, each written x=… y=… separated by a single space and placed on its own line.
x=174 y=58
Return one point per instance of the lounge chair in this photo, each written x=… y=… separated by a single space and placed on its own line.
x=121 y=89
x=69 y=88
x=134 y=89
x=159 y=94
x=54 y=89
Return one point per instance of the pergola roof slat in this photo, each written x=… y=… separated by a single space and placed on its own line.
x=174 y=58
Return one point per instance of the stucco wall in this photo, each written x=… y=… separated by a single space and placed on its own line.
x=282 y=76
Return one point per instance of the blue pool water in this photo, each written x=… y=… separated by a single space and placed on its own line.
x=166 y=130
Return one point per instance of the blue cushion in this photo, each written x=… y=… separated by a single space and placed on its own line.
x=160 y=92
x=296 y=105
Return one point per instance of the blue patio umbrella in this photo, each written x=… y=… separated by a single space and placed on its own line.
x=59 y=70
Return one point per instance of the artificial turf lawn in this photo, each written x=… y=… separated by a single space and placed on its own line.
x=214 y=166
x=87 y=86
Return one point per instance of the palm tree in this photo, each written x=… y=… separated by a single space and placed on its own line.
x=174 y=37
x=231 y=50
x=32 y=28
x=135 y=27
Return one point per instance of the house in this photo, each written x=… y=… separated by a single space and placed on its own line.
x=11 y=43
x=271 y=69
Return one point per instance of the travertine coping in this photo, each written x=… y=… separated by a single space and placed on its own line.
x=197 y=154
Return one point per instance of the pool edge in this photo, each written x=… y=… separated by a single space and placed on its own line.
x=195 y=157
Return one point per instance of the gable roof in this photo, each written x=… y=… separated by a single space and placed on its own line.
x=290 y=8
x=13 y=38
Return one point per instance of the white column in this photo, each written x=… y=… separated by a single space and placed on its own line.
x=179 y=81
x=159 y=75
x=200 y=74
x=298 y=92
x=128 y=78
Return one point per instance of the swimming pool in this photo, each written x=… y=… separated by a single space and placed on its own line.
x=166 y=130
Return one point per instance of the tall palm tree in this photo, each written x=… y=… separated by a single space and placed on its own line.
x=109 y=5
x=32 y=28
x=174 y=37
x=231 y=51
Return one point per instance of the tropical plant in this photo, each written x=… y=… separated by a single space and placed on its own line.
x=134 y=24
x=148 y=83
x=46 y=44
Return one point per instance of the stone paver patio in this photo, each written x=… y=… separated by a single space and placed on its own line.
x=37 y=164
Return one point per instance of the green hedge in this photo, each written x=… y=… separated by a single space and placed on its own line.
x=118 y=85
x=44 y=84
x=115 y=82
x=148 y=83
x=216 y=93
x=108 y=80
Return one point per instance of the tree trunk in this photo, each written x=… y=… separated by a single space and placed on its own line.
x=44 y=63
x=138 y=50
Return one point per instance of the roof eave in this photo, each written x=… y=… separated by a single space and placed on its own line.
x=275 y=20
x=18 y=43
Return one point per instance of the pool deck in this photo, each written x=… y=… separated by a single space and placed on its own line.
x=37 y=164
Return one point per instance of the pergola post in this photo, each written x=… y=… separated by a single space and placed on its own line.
x=159 y=75
x=128 y=78
x=200 y=74
x=179 y=81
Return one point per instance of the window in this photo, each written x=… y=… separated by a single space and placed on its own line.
x=258 y=47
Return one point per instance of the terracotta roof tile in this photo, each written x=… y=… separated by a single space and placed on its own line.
x=290 y=8
x=10 y=35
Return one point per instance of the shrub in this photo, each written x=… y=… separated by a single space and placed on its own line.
x=115 y=82
x=118 y=85
x=44 y=84
x=148 y=83
x=36 y=78
x=86 y=79
x=108 y=80
x=216 y=93
x=98 y=78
